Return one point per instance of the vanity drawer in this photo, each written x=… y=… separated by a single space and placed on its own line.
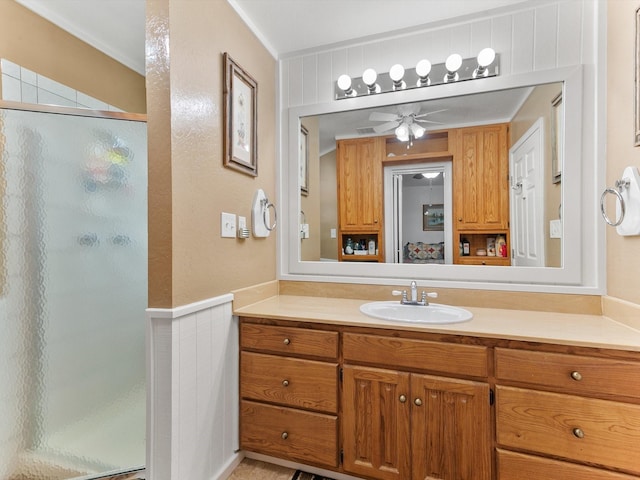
x=595 y=431
x=289 y=340
x=289 y=381
x=570 y=373
x=289 y=433
x=518 y=466
x=441 y=357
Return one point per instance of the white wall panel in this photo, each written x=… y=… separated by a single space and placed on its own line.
x=310 y=79
x=326 y=77
x=193 y=391
x=546 y=38
x=296 y=77
x=522 y=45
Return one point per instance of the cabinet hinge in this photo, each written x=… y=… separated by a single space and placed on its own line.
x=492 y=396
x=341 y=374
x=341 y=457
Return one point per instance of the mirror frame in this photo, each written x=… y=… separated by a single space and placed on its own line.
x=578 y=256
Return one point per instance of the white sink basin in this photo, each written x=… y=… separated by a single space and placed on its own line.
x=434 y=313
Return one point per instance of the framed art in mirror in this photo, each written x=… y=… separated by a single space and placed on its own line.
x=240 y=118
x=433 y=217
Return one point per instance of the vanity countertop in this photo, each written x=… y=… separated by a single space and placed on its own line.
x=561 y=328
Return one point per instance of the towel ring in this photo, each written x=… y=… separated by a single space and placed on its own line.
x=620 y=186
x=275 y=216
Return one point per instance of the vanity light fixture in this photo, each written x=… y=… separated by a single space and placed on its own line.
x=425 y=74
x=485 y=58
x=453 y=64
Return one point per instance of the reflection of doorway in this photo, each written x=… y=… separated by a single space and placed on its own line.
x=527 y=197
x=418 y=213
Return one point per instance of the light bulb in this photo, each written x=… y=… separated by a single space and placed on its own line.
x=396 y=72
x=417 y=130
x=402 y=132
x=423 y=68
x=369 y=77
x=430 y=174
x=344 y=82
x=453 y=63
x=486 y=57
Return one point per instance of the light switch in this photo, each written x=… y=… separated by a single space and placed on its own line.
x=333 y=233
x=304 y=230
x=555 y=229
x=227 y=225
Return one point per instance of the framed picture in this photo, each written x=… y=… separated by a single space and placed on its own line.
x=637 y=82
x=557 y=138
x=433 y=217
x=304 y=160
x=240 y=119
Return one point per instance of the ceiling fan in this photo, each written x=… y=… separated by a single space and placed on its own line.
x=407 y=122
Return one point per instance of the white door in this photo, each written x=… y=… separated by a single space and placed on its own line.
x=526 y=170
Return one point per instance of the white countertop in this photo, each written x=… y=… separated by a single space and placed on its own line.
x=548 y=327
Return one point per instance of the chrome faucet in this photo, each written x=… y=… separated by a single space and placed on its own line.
x=414 y=296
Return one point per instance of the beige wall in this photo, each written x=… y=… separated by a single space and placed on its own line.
x=623 y=253
x=539 y=105
x=40 y=46
x=188 y=185
x=329 y=214
x=310 y=204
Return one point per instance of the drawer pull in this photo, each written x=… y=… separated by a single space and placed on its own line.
x=577 y=376
x=417 y=401
x=402 y=399
x=578 y=433
x=286 y=341
x=284 y=435
x=285 y=383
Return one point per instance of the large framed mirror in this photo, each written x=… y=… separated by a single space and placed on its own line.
x=541 y=227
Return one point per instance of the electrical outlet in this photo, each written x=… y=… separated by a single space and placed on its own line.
x=227 y=225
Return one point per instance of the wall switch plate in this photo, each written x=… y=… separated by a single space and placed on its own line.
x=304 y=230
x=227 y=225
x=555 y=229
x=334 y=234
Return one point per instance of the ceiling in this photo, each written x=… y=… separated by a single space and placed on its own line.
x=117 y=27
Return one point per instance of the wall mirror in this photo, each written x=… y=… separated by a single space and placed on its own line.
x=539 y=223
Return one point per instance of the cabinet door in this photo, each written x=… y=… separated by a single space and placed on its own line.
x=376 y=423
x=450 y=429
x=359 y=172
x=480 y=178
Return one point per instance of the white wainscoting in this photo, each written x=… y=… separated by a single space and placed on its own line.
x=192 y=391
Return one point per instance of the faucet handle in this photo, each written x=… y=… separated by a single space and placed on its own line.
x=396 y=293
x=430 y=294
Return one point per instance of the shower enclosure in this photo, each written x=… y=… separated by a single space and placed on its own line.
x=73 y=291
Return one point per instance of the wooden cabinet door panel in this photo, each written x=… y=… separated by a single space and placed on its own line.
x=293 y=382
x=547 y=423
x=450 y=429
x=376 y=423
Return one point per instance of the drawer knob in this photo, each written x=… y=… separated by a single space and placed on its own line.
x=578 y=433
x=285 y=383
x=284 y=435
x=417 y=401
x=286 y=341
x=577 y=376
x=402 y=398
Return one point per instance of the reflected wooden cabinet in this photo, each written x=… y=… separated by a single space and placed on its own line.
x=481 y=187
x=360 y=193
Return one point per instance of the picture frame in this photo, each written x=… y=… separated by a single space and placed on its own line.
x=240 y=119
x=557 y=138
x=636 y=142
x=433 y=217
x=304 y=160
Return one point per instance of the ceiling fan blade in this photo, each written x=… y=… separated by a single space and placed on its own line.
x=385 y=126
x=428 y=121
x=430 y=113
x=383 y=117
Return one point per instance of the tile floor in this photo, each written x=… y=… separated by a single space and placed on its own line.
x=250 y=469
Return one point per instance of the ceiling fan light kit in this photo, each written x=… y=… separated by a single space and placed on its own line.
x=455 y=69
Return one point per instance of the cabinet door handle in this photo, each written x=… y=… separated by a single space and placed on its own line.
x=578 y=432
x=417 y=401
x=286 y=341
x=285 y=383
x=577 y=376
x=402 y=398
x=284 y=435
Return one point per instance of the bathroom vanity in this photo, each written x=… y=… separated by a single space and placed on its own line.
x=509 y=395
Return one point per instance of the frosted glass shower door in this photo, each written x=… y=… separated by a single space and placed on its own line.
x=75 y=248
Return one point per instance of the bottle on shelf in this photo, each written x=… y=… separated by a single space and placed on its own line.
x=466 y=247
x=348 y=249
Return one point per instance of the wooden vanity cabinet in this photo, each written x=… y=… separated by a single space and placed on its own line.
x=289 y=393
x=360 y=194
x=402 y=424
x=566 y=414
